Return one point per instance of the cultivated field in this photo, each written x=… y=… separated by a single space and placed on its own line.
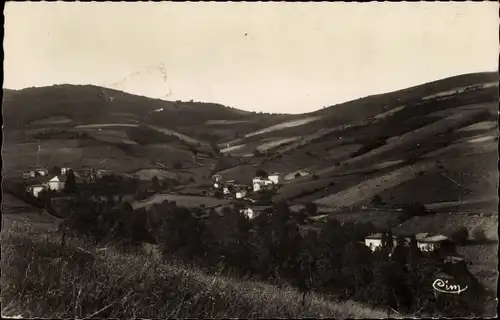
x=181 y=201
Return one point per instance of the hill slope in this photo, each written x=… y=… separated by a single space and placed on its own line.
x=74 y=105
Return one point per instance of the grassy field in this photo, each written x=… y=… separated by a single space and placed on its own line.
x=181 y=200
x=42 y=279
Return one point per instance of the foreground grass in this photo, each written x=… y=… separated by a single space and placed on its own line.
x=42 y=279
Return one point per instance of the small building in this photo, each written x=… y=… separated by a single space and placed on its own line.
x=45 y=183
x=56 y=183
x=296 y=174
x=240 y=194
x=41 y=172
x=65 y=170
x=261 y=183
x=428 y=243
x=35 y=189
x=274 y=177
x=29 y=174
x=374 y=241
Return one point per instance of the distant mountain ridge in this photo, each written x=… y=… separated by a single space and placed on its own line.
x=89 y=104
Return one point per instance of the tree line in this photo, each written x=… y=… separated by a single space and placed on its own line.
x=281 y=247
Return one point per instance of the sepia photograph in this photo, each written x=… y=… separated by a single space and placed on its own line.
x=241 y=160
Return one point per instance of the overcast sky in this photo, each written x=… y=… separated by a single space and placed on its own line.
x=274 y=57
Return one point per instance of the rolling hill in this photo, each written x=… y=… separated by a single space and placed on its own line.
x=74 y=105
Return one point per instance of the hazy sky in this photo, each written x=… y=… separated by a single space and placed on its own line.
x=275 y=57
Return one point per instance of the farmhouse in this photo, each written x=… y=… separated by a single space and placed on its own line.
x=374 y=241
x=428 y=243
x=56 y=183
x=425 y=241
x=274 y=177
x=240 y=194
x=45 y=183
x=65 y=170
x=297 y=174
x=35 y=189
x=261 y=183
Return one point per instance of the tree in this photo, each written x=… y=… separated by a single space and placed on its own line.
x=70 y=185
x=261 y=173
x=311 y=208
x=376 y=200
x=257 y=153
x=156 y=184
x=460 y=236
x=415 y=209
x=177 y=165
x=214 y=147
x=297 y=175
x=315 y=177
x=55 y=170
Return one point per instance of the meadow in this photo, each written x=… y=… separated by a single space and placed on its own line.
x=42 y=279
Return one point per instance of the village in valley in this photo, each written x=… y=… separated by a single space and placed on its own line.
x=60 y=187
x=175 y=163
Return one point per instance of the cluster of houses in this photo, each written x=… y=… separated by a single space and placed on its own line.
x=40 y=179
x=239 y=191
x=232 y=190
x=425 y=242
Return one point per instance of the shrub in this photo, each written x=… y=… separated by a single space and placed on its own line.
x=415 y=209
x=376 y=200
x=177 y=165
x=460 y=236
x=261 y=173
x=315 y=177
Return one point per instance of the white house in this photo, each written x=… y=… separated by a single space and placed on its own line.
x=260 y=183
x=64 y=171
x=274 y=177
x=241 y=194
x=55 y=184
x=428 y=243
x=296 y=174
x=35 y=189
x=374 y=241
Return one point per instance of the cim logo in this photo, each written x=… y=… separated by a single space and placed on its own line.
x=445 y=287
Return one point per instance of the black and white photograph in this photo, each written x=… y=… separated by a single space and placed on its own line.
x=250 y=160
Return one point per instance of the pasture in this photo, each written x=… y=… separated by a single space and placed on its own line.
x=181 y=201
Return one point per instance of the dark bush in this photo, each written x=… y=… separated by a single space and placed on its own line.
x=376 y=200
x=460 y=236
x=177 y=165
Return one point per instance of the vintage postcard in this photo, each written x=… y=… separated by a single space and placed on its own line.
x=250 y=160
